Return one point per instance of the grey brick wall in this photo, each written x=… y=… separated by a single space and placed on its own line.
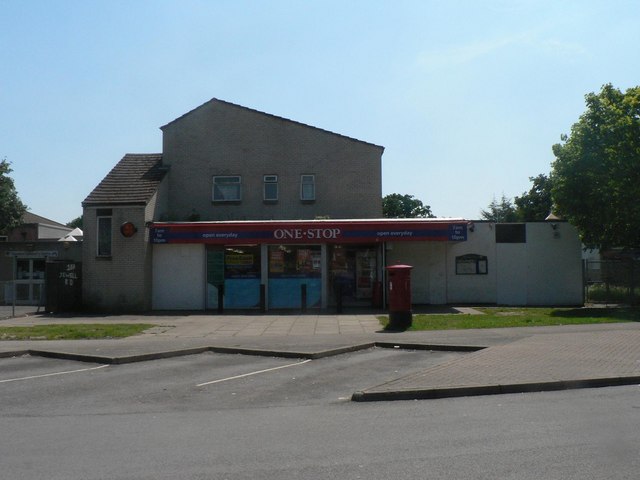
x=121 y=282
x=224 y=139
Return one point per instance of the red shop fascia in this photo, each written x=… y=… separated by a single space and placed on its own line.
x=309 y=231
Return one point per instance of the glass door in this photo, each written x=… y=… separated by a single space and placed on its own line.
x=30 y=281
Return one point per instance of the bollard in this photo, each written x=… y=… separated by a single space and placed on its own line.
x=339 y=298
x=303 y=297
x=220 y=298
x=263 y=298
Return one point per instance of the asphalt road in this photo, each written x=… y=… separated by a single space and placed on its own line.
x=215 y=416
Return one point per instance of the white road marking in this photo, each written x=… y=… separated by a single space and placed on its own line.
x=52 y=374
x=253 y=373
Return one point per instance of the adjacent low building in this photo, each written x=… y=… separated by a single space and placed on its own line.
x=25 y=252
x=249 y=210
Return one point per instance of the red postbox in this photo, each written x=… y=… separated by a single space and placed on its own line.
x=399 y=280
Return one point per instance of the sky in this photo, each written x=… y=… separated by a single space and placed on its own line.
x=466 y=96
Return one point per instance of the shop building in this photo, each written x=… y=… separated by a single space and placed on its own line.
x=271 y=213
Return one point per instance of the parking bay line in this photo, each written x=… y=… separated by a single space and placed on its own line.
x=253 y=373
x=52 y=374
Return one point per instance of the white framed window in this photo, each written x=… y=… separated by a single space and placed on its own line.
x=307 y=187
x=104 y=233
x=270 y=188
x=227 y=188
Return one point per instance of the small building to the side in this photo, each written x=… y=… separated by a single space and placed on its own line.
x=249 y=210
x=24 y=253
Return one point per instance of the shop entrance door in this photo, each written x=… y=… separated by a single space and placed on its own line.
x=353 y=274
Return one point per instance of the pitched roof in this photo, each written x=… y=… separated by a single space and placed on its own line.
x=133 y=181
x=29 y=217
x=234 y=105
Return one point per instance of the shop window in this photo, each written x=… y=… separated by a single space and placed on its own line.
x=291 y=267
x=471 y=265
x=270 y=188
x=104 y=224
x=227 y=188
x=511 y=233
x=294 y=261
x=307 y=188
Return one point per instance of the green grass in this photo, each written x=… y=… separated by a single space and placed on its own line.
x=72 y=332
x=613 y=294
x=501 y=317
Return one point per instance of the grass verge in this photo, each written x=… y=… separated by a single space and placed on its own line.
x=501 y=317
x=73 y=332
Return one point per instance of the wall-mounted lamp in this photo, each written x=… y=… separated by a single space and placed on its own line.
x=471 y=226
x=554 y=226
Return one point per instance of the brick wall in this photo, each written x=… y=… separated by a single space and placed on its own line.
x=120 y=282
x=222 y=139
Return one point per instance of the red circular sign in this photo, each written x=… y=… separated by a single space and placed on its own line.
x=128 y=229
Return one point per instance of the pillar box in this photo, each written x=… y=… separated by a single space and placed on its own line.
x=399 y=278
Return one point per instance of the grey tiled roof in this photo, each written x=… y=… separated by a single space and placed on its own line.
x=133 y=181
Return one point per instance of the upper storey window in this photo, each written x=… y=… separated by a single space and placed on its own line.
x=270 y=188
x=227 y=188
x=307 y=187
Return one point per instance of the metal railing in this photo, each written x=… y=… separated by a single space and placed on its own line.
x=12 y=306
x=612 y=281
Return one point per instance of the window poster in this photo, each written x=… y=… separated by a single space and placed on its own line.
x=276 y=261
x=303 y=263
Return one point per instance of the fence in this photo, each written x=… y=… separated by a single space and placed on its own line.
x=7 y=307
x=612 y=281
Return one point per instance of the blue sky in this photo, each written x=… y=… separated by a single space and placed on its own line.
x=467 y=97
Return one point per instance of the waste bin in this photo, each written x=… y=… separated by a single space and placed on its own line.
x=399 y=281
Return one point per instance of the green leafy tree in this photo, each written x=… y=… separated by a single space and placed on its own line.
x=11 y=208
x=536 y=204
x=396 y=205
x=596 y=173
x=75 y=223
x=500 y=211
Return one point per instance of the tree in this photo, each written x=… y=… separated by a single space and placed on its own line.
x=596 y=173
x=395 y=205
x=535 y=205
x=11 y=208
x=75 y=223
x=501 y=211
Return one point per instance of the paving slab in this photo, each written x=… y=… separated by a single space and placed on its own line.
x=536 y=363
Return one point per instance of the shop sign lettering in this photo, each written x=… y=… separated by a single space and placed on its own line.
x=458 y=232
x=306 y=233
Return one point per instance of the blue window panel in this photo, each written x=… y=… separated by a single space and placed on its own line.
x=242 y=293
x=285 y=292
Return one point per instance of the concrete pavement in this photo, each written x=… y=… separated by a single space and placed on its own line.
x=501 y=360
